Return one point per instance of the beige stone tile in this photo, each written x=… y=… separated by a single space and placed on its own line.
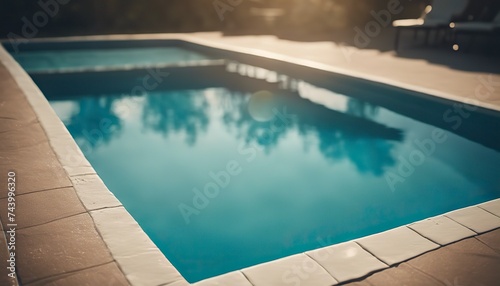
x=25 y=136
x=475 y=218
x=396 y=245
x=442 y=230
x=298 y=269
x=491 y=239
x=402 y=274
x=58 y=247
x=467 y=262
x=43 y=207
x=36 y=167
x=12 y=105
x=235 y=278
x=93 y=192
x=107 y=274
x=346 y=261
x=138 y=257
x=9 y=124
x=492 y=207
x=4 y=264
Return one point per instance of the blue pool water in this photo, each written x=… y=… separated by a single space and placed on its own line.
x=49 y=60
x=235 y=168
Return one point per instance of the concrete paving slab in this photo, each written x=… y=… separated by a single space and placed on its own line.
x=106 y=274
x=42 y=207
x=5 y=279
x=27 y=136
x=491 y=239
x=59 y=247
x=467 y=262
x=36 y=167
x=402 y=274
x=14 y=107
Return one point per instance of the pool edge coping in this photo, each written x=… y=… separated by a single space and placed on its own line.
x=76 y=165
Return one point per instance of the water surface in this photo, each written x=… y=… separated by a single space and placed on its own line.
x=319 y=176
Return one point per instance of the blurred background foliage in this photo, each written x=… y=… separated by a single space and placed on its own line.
x=293 y=18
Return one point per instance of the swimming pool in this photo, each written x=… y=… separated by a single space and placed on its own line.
x=227 y=165
x=60 y=60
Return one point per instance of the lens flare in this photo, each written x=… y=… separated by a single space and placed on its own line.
x=261 y=106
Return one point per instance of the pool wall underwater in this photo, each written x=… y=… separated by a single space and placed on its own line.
x=323 y=266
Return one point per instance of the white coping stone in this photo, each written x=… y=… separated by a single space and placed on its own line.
x=93 y=192
x=70 y=156
x=475 y=218
x=235 y=278
x=441 y=230
x=79 y=170
x=492 y=206
x=298 y=269
x=139 y=258
x=346 y=261
x=177 y=283
x=396 y=245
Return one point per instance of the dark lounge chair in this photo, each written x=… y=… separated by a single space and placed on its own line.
x=474 y=29
x=436 y=17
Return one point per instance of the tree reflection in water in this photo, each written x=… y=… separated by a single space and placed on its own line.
x=342 y=127
x=177 y=111
x=349 y=134
x=94 y=122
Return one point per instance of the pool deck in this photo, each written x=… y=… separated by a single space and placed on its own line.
x=72 y=231
x=463 y=75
